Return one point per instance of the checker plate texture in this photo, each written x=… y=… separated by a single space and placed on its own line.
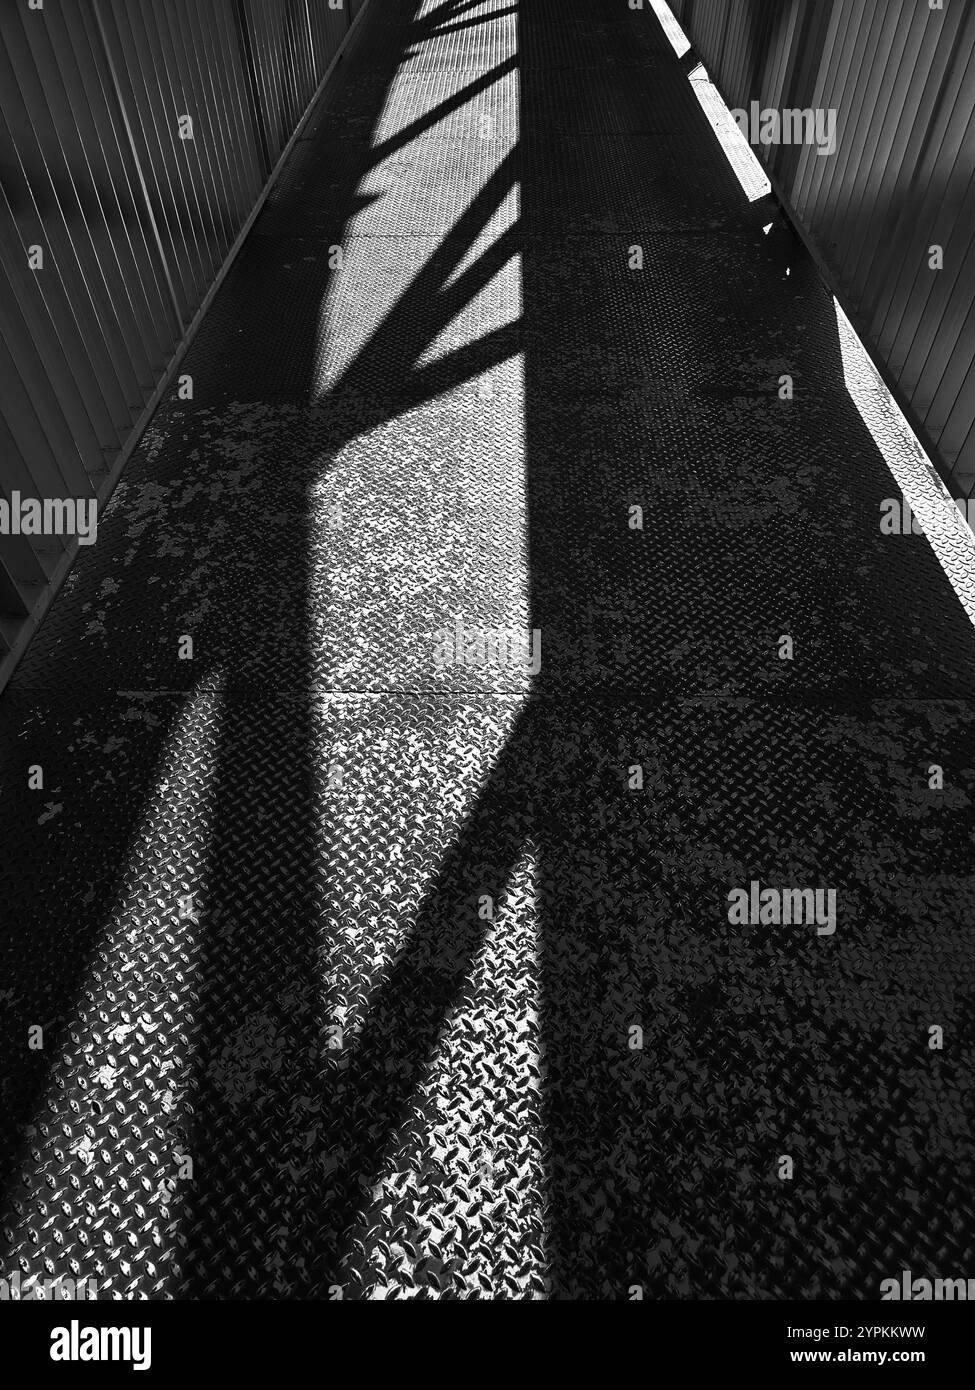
x=337 y=949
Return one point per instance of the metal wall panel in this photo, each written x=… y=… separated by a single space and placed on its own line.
x=901 y=78
x=137 y=138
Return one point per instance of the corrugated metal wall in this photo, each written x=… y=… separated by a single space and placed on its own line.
x=901 y=78
x=136 y=140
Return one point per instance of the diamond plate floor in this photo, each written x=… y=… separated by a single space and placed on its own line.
x=338 y=950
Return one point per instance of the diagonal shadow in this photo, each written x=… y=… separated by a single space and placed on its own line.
x=644 y=1154
x=644 y=1176
x=250 y=620
x=258 y=1089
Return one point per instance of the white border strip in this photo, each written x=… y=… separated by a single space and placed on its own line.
x=680 y=43
x=742 y=158
x=738 y=152
x=949 y=535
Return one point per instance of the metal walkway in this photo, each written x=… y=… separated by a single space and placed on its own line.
x=343 y=955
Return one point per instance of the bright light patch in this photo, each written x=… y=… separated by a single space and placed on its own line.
x=951 y=539
x=738 y=151
x=143 y=961
x=668 y=22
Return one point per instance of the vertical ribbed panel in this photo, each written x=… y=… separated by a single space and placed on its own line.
x=114 y=226
x=901 y=78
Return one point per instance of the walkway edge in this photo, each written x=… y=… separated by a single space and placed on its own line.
x=30 y=625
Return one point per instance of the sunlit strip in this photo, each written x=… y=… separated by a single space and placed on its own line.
x=122 y=1036
x=492 y=1032
x=951 y=539
x=668 y=22
x=731 y=138
x=739 y=153
x=424 y=785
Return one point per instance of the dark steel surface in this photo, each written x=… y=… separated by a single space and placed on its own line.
x=381 y=1093
x=901 y=79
